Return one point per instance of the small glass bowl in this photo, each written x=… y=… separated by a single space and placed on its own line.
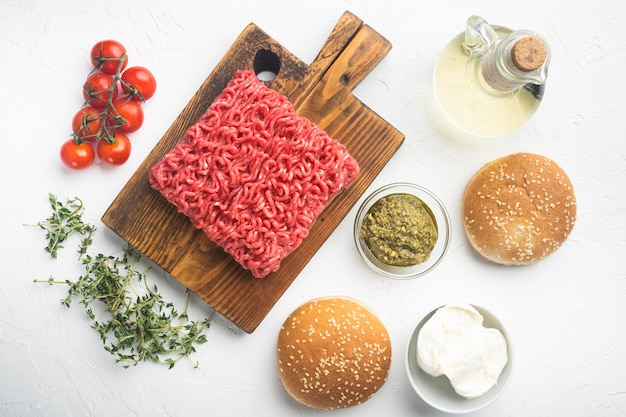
x=437 y=391
x=442 y=220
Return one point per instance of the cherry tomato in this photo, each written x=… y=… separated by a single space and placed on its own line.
x=87 y=123
x=77 y=155
x=98 y=88
x=139 y=83
x=109 y=56
x=127 y=115
x=114 y=153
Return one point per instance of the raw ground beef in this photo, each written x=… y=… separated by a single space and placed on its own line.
x=254 y=175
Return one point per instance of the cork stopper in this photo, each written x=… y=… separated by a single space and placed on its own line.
x=529 y=53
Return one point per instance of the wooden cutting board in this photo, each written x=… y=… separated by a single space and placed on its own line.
x=322 y=92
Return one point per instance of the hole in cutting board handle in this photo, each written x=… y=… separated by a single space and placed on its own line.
x=266 y=65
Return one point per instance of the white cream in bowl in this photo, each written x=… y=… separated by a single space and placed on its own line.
x=454 y=342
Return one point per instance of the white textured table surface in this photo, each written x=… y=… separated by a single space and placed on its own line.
x=566 y=314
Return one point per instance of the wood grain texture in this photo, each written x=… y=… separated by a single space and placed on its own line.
x=322 y=92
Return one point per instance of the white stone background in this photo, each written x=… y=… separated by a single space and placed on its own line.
x=566 y=314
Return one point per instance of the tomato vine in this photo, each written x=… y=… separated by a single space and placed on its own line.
x=113 y=96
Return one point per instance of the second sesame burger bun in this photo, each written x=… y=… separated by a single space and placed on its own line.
x=333 y=352
x=518 y=209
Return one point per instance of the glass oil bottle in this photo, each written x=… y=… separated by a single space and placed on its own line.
x=490 y=80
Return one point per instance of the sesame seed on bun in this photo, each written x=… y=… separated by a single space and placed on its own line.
x=519 y=209
x=333 y=352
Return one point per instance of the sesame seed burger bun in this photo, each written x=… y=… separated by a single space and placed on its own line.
x=333 y=352
x=519 y=209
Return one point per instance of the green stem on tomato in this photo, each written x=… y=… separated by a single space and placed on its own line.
x=103 y=132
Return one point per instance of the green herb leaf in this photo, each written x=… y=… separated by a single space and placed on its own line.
x=133 y=320
x=66 y=219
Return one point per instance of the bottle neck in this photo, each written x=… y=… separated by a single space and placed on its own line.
x=516 y=60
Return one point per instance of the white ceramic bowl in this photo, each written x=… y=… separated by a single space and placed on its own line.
x=437 y=391
x=441 y=218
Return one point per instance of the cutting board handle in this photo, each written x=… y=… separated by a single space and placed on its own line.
x=350 y=52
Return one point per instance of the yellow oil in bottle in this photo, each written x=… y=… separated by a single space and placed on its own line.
x=470 y=103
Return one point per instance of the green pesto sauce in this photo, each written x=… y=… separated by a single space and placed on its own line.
x=400 y=230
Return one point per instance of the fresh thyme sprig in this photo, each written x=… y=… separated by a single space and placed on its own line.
x=133 y=320
x=66 y=219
